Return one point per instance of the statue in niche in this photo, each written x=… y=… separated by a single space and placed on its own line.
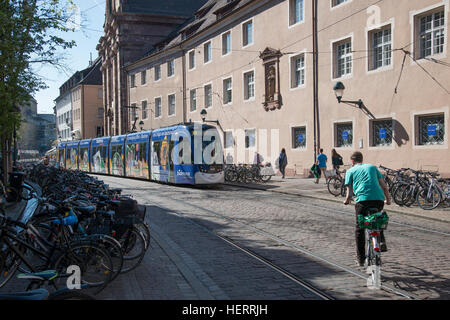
x=271 y=84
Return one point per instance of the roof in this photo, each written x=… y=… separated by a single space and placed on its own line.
x=182 y=8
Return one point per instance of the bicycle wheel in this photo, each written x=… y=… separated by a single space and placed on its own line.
x=133 y=247
x=398 y=194
x=9 y=264
x=334 y=186
x=95 y=265
x=429 y=199
x=266 y=178
x=70 y=295
x=26 y=193
x=145 y=229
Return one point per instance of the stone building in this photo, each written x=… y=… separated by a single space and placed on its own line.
x=249 y=64
x=132 y=28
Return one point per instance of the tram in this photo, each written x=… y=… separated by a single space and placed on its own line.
x=183 y=154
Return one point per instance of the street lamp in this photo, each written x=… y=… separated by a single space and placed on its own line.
x=141 y=125
x=339 y=89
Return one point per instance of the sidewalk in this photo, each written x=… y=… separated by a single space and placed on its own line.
x=307 y=188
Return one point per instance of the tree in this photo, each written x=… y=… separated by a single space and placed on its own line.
x=29 y=35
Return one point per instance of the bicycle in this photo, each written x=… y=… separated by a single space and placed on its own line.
x=430 y=197
x=373 y=224
x=336 y=184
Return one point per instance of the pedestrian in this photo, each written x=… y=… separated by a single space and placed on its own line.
x=336 y=159
x=282 y=162
x=366 y=182
x=258 y=159
x=322 y=164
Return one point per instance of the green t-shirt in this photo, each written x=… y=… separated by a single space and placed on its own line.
x=364 y=180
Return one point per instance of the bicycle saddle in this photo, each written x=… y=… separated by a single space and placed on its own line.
x=38 y=294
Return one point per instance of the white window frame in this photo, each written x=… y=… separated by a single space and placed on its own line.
x=292 y=70
x=415 y=27
x=334 y=130
x=160 y=107
x=291 y=13
x=132 y=80
x=251 y=148
x=370 y=137
x=205 y=96
x=340 y=5
x=369 y=42
x=245 y=89
x=191 y=60
x=209 y=52
x=192 y=100
x=168 y=104
x=168 y=63
x=143 y=72
x=415 y=125
x=245 y=33
x=146 y=109
x=222 y=42
x=223 y=90
x=157 y=67
x=333 y=48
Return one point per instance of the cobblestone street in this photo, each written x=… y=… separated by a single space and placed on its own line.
x=311 y=239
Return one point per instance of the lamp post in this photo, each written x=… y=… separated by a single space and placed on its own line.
x=339 y=89
x=141 y=125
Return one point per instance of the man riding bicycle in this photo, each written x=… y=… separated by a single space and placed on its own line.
x=367 y=183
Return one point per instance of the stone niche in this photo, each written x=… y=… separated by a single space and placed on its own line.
x=271 y=64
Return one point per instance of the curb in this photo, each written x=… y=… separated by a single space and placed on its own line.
x=331 y=200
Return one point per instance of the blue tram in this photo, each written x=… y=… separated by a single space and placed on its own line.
x=182 y=154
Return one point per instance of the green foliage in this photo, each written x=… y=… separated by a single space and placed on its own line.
x=28 y=35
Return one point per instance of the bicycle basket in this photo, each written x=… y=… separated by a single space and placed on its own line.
x=378 y=220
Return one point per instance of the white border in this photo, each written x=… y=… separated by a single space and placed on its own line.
x=154 y=73
x=415 y=114
x=333 y=60
x=189 y=60
x=302 y=21
x=154 y=99
x=211 y=58
x=334 y=128
x=221 y=43
x=142 y=109
x=380 y=27
x=204 y=95
x=253 y=33
x=412 y=22
x=292 y=126
x=168 y=105
x=232 y=89
x=254 y=85
x=369 y=132
x=167 y=68
x=303 y=86
x=190 y=100
x=339 y=5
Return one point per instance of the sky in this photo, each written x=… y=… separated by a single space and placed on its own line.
x=88 y=19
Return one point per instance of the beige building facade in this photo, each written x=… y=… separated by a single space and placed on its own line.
x=249 y=64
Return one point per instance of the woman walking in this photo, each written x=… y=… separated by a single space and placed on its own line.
x=336 y=159
x=283 y=162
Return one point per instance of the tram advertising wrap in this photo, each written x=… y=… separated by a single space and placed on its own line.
x=182 y=154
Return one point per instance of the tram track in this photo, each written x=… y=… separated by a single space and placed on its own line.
x=276 y=267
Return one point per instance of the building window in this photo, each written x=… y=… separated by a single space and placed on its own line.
x=158 y=110
x=170 y=68
x=193 y=100
x=143 y=77
x=157 y=72
x=229 y=139
x=298 y=71
x=133 y=80
x=100 y=113
x=171 y=109
x=249 y=85
x=227 y=91
x=299 y=138
x=133 y=111
x=247 y=33
x=100 y=93
x=208 y=96
x=207 y=52
x=250 y=138
x=191 y=59
x=431 y=37
x=144 y=110
x=381 y=49
x=296 y=11
x=335 y=3
x=226 y=43
x=382 y=133
x=431 y=129
x=344 y=135
x=343 y=58
x=100 y=132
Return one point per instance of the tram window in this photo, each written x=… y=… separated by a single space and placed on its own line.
x=143 y=152
x=180 y=147
x=156 y=152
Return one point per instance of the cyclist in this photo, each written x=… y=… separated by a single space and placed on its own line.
x=367 y=183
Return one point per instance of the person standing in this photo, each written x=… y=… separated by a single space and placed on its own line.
x=336 y=159
x=367 y=183
x=322 y=164
x=282 y=162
